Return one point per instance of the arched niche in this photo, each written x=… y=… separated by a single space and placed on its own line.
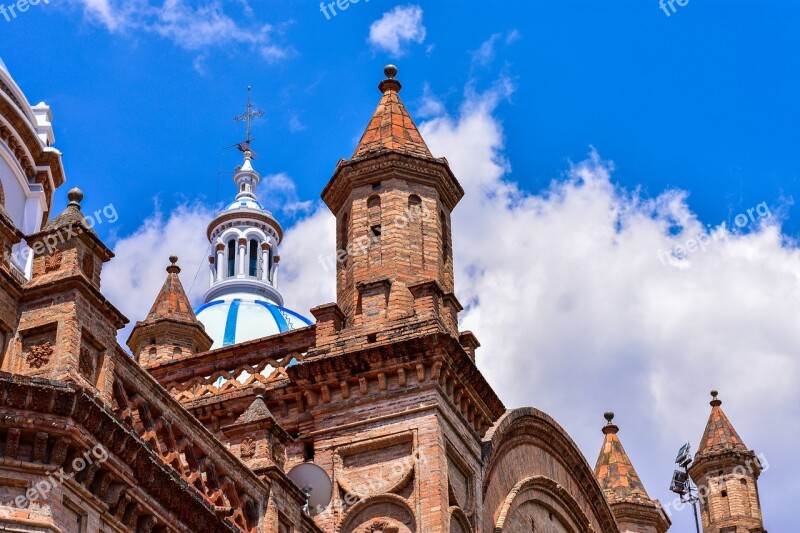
x=459 y=522
x=526 y=443
x=540 y=504
x=387 y=513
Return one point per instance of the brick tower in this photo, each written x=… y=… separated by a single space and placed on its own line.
x=726 y=473
x=630 y=503
x=393 y=406
x=392 y=201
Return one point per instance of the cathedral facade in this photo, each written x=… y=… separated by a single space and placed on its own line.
x=202 y=425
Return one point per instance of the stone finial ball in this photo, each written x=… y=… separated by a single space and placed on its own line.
x=173 y=259
x=75 y=195
x=259 y=388
x=609 y=415
x=390 y=71
x=714 y=394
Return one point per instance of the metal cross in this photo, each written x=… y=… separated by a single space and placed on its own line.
x=248 y=117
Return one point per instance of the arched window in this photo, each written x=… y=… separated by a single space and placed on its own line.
x=231 y=257
x=253 y=270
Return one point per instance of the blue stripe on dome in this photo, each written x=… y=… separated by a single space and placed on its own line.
x=306 y=321
x=209 y=304
x=276 y=314
x=230 y=323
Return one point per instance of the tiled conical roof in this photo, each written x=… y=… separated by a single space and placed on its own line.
x=614 y=470
x=391 y=127
x=719 y=435
x=172 y=302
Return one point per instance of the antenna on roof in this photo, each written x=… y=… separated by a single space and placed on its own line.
x=682 y=484
x=247 y=117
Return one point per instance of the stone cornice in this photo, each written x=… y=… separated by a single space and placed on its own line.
x=409 y=350
x=245 y=215
x=43 y=287
x=642 y=513
x=349 y=174
x=708 y=461
x=41 y=156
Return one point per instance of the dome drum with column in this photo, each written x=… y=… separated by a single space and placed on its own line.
x=242 y=302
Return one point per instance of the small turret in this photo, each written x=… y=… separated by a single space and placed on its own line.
x=171 y=329
x=726 y=474
x=633 y=508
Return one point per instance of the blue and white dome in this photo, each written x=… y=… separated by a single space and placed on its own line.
x=237 y=320
x=242 y=302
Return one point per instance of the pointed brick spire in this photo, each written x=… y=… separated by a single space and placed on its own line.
x=258 y=410
x=171 y=329
x=391 y=128
x=614 y=470
x=719 y=435
x=172 y=302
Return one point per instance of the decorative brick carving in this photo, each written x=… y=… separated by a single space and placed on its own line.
x=53 y=261
x=86 y=362
x=378 y=526
x=38 y=355
x=39 y=447
x=248 y=448
x=12 y=442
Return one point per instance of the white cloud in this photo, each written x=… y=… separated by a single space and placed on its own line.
x=430 y=105
x=133 y=278
x=487 y=51
x=395 y=28
x=279 y=194
x=305 y=280
x=577 y=314
x=188 y=25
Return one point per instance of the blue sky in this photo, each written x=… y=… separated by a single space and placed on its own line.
x=687 y=120
x=701 y=100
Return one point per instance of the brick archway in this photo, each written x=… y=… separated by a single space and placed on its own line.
x=387 y=513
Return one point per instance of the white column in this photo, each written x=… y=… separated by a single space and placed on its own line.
x=211 y=270
x=242 y=256
x=275 y=260
x=265 y=262
x=221 y=265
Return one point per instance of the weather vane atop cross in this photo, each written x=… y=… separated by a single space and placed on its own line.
x=248 y=117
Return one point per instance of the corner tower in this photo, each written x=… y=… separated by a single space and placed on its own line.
x=392 y=201
x=633 y=508
x=726 y=474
